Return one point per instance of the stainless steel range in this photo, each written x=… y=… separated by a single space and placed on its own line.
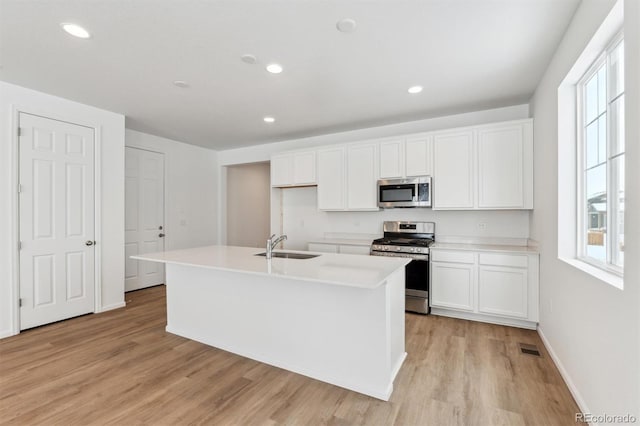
x=410 y=239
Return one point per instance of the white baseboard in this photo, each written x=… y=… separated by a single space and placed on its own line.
x=491 y=319
x=7 y=333
x=582 y=405
x=111 y=307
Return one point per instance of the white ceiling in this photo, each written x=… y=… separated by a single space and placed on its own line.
x=468 y=55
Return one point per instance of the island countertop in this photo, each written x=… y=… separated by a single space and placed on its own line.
x=338 y=269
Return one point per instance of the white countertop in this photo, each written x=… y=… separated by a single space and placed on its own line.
x=486 y=247
x=339 y=269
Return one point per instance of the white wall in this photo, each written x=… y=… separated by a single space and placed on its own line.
x=110 y=132
x=248 y=204
x=302 y=222
x=190 y=190
x=592 y=328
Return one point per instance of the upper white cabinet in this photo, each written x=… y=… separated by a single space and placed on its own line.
x=392 y=159
x=419 y=156
x=293 y=169
x=406 y=157
x=453 y=176
x=505 y=166
x=487 y=167
x=347 y=177
x=362 y=177
x=331 y=178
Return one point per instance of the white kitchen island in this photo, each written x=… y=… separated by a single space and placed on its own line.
x=337 y=318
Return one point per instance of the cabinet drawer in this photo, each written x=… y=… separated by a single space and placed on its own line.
x=355 y=249
x=322 y=248
x=452 y=256
x=502 y=259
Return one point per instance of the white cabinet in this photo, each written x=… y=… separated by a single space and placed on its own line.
x=293 y=169
x=339 y=248
x=505 y=171
x=485 y=286
x=419 y=156
x=282 y=170
x=362 y=177
x=392 y=159
x=347 y=177
x=331 y=178
x=453 y=176
x=410 y=157
x=323 y=248
x=485 y=167
x=452 y=285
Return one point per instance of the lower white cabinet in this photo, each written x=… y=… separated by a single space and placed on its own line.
x=339 y=248
x=494 y=287
x=455 y=285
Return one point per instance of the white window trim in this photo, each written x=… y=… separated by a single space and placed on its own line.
x=567 y=145
x=581 y=213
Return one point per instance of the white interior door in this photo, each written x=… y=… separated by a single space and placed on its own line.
x=57 y=220
x=144 y=216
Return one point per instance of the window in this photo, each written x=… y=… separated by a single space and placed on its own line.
x=600 y=163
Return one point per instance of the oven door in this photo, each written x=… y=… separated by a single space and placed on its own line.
x=417 y=286
x=417 y=278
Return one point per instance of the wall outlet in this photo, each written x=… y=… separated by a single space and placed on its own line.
x=183 y=222
x=482 y=226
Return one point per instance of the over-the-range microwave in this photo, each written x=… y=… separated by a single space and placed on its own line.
x=412 y=192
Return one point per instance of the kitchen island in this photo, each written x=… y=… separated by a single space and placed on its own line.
x=337 y=318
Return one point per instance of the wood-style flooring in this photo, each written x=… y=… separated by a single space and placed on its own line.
x=122 y=368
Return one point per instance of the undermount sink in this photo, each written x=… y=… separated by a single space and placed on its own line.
x=290 y=255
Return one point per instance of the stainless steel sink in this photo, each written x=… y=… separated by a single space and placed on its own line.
x=290 y=255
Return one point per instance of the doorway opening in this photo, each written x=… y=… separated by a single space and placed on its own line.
x=248 y=204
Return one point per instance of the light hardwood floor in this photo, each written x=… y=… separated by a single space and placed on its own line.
x=122 y=368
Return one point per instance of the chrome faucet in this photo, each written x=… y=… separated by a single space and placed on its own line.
x=271 y=243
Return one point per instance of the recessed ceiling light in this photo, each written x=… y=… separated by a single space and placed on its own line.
x=346 y=25
x=274 y=68
x=415 y=89
x=181 y=83
x=75 y=30
x=249 y=59
x=269 y=119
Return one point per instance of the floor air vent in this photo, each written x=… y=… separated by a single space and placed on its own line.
x=529 y=349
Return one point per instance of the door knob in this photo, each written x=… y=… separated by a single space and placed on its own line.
x=161 y=235
x=89 y=243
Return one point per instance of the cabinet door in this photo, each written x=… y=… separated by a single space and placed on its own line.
x=501 y=157
x=452 y=285
x=323 y=248
x=366 y=250
x=331 y=179
x=282 y=170
x=391 y=159
x=502 y=291
x=362 y=177
x=453 y=171
x=419 y=156
x=304 y=168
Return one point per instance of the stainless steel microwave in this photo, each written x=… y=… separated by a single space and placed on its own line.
x=413 y=192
